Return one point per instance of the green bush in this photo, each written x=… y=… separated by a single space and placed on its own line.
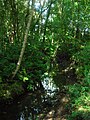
x=8 y=91
x=82 y=59
x=79 y=115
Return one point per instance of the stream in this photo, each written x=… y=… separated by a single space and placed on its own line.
x=44 y=104
x=32 y=106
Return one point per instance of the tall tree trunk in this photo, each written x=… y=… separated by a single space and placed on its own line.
x=25 y=40
x=48 y=13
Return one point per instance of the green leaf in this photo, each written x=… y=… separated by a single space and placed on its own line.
x=25 y=79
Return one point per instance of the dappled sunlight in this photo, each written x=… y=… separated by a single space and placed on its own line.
x=49 y=86
x=81 y=108
x=65 y=100
x=44 y=60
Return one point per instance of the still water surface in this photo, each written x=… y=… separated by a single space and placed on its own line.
x=30 y=106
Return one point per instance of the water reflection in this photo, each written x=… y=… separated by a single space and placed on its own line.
x=49 y=86
x=22 y=111
x=30 y=106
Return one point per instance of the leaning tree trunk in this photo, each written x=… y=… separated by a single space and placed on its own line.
x=25 y=41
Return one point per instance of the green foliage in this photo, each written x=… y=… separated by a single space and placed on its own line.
x=9 y=91
x=80 y=93
x=8 y=61
x=67 y=29
x=79 y=102
x=79 y=116
x=82 y=59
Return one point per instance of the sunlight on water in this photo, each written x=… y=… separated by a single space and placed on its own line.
x=49 y=85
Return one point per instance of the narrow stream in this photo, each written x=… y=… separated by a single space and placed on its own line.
x=31 y=106
x=34 y=106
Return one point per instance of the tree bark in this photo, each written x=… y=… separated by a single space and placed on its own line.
x=25 y=41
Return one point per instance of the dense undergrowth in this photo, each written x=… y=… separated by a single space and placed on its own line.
x=57 y=42
x=79 y=93
x=76 y=58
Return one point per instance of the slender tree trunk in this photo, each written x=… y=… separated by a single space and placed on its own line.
x=25 y=40
x=48 y=13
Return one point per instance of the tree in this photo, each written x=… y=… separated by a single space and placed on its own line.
x=25 y=40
